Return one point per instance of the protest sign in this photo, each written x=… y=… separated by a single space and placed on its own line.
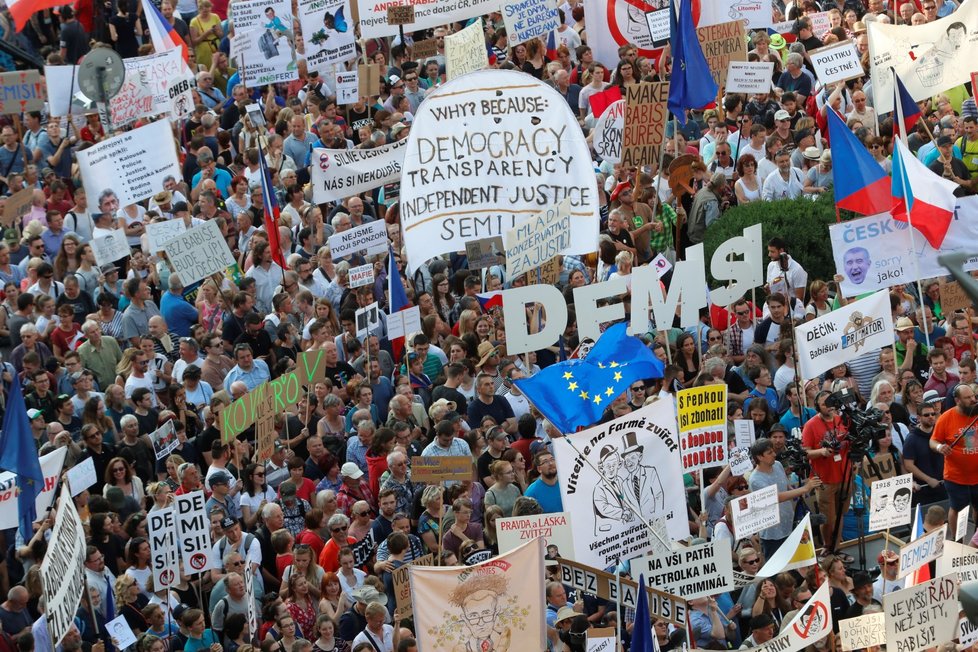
x=131 y=166
x=723 y=43
x=953 y=297
x=265 y=423
x=620 y=476
x=812 y=623
x=339 y=173
x=465 y=51
x=403 y=322
x=22 y=91
x=658 y=23
x=967 y=632
x=797 y=551
x=425 y=49
x=514 y=147
x=82 y=476
x=529 y=19
x=110 y=248
x=958 y=558
x=756 y=15
x=327 y=27
x=755 y=512
x=961 y=528
x=120 y=633
x=889 y=502
x=836 y=62
x=269 y=55
x=347 y=88
x=661 y=265
x=484 y=253
x=537 y=239
x=402 y=585
x=193 y=532
x=164 y=440
x=61 y=85
x=367 y=318
x=874 y=253
x=740 y=462
x=929 y=58
x=51 y=465
x=427 y=15
x=607 y=132
x=620 y=590
x=749 y=76
x=821 y=23
x=155 y=84
x=844 y=334
x=555 y=528
x=863 y=631
x=611 y=25
x=369 y=76
x=601 y=639
x=249 y=582
x=441 y=469
x=702 y=415
x=198 y=253
x=18 y=205
x=361 y=275
x=161 y=527
x=400 y=14
x=744 y=433
x=239 y=43
x=63 y=569
x=644 y=123
x=921 y=616
x=922 y=550
x=368 y=239
x=692 y=572
x=157 y=233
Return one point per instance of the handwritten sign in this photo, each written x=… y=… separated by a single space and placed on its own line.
x=922 y=551
x=645 y=123
x=422 y=50
x=953 y=297
x=158 y=233
x=110 y=248
x=537 y=239
x=722 y=44
x=529 y=19
x=836 y=62
x=441 y=469
x=555 y=528
x=400 y=14
x=863 y=632
x=465 y=51
x=18 y=205
x=922 y=616
x=402 y=587
x=198 y=253
x=749 y=76
x=21 y=92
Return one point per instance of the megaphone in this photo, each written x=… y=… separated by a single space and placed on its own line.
x=955 y=264
x=968 y=596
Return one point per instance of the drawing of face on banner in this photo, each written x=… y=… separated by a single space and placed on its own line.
x=614 y=23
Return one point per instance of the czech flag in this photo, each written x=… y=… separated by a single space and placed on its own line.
x=490 y=300
x=397 y=298
x=906 y=113
x=271 y=211
x=922 y=574
x=923 y=199
x=162 y=32
x=864 y=188
x=552 y=46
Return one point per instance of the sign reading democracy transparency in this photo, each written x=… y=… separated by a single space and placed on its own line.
x=368 y=239
x=199 y=252
x=339 y=173
x=514 y=148
x=63 y=569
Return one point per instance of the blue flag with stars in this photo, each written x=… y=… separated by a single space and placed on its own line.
x=691 y=85
x=19 y=455
x=576 y=392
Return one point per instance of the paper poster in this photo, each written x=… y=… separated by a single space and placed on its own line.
x=164 y=440
x=198 y=253
x=922 y=550
x=922 y=616
x=961 y=529
x=797 y=551
x=537 y=239
x=702 y=426
x=63 y=569
x=361 y=275
x=193 y=532
x=120 y=633
x=427 y=15
x=110 y=248
x=555 y=528
x=515 y=146
x=367 y=239
x=405 y=322
x=836 y=62
x=863 y=631
x=82 y=476
x=889 y=502
x=161 y=527
x=23 y=91
x=529 y=19
x=658 y=24
x=607 y=132
x=338 y=174
x=744 y=433
x=347 y=87
x=485 y=253
x=465 y=51
x=61 y=83
x=402 y=586
x=644 y=124
x=158 y=233
x=638 y=457
x=368 y=317
x=812 y=623
x=693 y=572
x=749 y=77
x=755 y=512
x=156 y=84
x=740 y=462
x=327 y=27
x=269 y=56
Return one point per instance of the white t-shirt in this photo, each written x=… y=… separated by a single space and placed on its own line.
x=385 y=645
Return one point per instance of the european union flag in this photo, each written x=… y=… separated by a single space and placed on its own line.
x=18 y=454
x=576 y=392
x=691 y=84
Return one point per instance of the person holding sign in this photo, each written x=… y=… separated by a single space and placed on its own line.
x=768 y=471
x=954 y=438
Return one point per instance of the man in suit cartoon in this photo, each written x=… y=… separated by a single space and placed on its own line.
x=640 y=484
x=608 y=505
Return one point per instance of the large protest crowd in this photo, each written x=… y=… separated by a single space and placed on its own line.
x=107 y=354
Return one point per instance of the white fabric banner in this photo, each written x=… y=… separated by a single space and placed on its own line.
x=341 y=173
x=874 y=253
x=328 y=29
x=51 y=465
x=63 y=569
x=490 y=606
x=844 y=334
x=758 y=15
x=427 y=15
x=514 y=148
x=637 y=456
x=889 y=502
x=929 y=58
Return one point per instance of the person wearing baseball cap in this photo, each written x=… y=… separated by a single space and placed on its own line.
x=354 y=488
x=221 y=483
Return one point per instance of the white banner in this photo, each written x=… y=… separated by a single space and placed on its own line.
x=758 y=15
x=199 y=252
x=161 y=527
x=535 y=240
x=606 y=134
x=193 y=532
x=427 y=15
x=812 y=623
x=131 y=166
x=339 y=173
x=327 y=26
x=755 y=512
x=63 y=569
x=270 y=56
x=529 y=19
x=482 y=607
x=465 y=51
x=693 y=572
x=929 y=58
x=51 y=465
x=874 y=253
x=889 y=502
x=958 y=558
x=157 y=233
x=922 y=616
x=110 y=248
x=368 y=239
x=749 y=76
x=863 y=631
x=554 y=529
x=837 y=62
x=155 y=84
x=514 y=148
x=637 y=456
x=797 y=551
x=614 y=23
x=844 y=334
x=922 y=551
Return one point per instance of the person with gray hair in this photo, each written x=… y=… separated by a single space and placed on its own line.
x=180 y=314
x=795 y=79
x=338 y=286
x=209 y=170
x=339 y=538
x=706 y=208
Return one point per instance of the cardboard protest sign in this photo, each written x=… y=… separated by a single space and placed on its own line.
x=692 y=572
x=155 y=84
x=755 y=512
x=51 y=465
x=427 y=15
x=21 y=91
x=922 y=551
x=953 y=297
x=812 y=623
x=537 y=239
x=425 y=49
x=863 y=631
x=836 y=62
x=529 y=19
x=702 y=426
x=158 y=233
x=608 y=586
x=328 y=31
x=161 y=527
x=402 y=585
x=368 y=76
x=269 y=54
x=110 y=248
x=484 y=253
x=723 y=43
x=465 y=51
x=368 y=239
x=515 y=145
x=638 y=480
x=400 y=14
x=958 y=558
x=749 y=77
x=198 y=253
x=607 y=132
x=339 y=173
x=555 y=528
x=889 y=502
x=18 y=205
x=645 y=123
x=193 y=532
x=922 y=616
x=441 y=469
x=130 y=167
x=63 y=569
x=756 y=15
x=347 y=87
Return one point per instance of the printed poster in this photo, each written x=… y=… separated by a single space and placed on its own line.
x=555 y=529
x=702 y=415
x=889 y=502
x=755 y=512
x=269 y=56
x=327 y=26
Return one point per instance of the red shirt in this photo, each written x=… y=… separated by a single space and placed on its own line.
x=311 y=539
x=827 y=468
x=329 y=558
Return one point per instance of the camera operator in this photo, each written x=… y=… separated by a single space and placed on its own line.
x=954 y=438
x=828 y=464
x=926 y=464
x=768 y=471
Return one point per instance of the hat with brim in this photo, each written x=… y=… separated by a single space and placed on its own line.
x=904 y=324
x=163 y=197
x=564 y=613
x=34 y=413
x=812 y=153
x=367 y=594
x=777 y=42
x=630 y=442
x=932 y=396
x=607 y=452
x=486 y=351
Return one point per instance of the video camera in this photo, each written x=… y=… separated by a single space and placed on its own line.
x=864 y=425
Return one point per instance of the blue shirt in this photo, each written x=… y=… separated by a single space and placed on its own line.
x=356 y=452
x=548 y=497
x=221 y=178
x=790 y=421
x=180 y=316
x=258 y=374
